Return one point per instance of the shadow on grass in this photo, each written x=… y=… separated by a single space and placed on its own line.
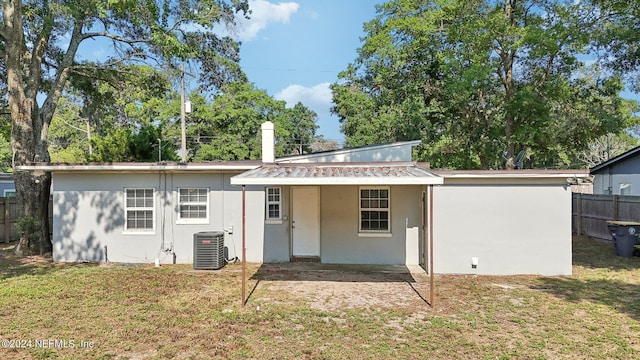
x=620 y=296
x=13 y=266
x=595 y=254
x=603 y=282
x=333 y=272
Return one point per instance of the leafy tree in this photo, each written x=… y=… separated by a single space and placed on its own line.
x=301 y=126
x=479 y=81
x=39 y=46
x=141 y=101
x=321 y=144
x=229 y=127
x=616 y=37
x=114 y=147
x=606 y=147
x=5 y=154
x=69 y=133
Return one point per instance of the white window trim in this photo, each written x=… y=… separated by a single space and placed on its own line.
x=153 y=212
x=182 y=221
x=10 y=191
x=274 y=220
x=373 y=233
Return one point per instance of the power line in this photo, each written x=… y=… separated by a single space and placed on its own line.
x=290 y=70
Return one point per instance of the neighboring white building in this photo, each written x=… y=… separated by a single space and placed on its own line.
x=619 y=175
x=369 y=205
x=7 y=186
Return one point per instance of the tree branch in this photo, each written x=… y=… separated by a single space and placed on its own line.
x=62 y=74
x=40 y=46
x=115 y=38
x=75 y=127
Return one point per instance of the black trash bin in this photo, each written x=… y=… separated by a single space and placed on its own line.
x=624 y=236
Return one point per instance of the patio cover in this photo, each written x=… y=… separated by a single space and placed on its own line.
x=383 y=173
x=380 y=173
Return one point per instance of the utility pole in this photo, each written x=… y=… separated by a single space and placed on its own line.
x=183 y=130
x=89 y=137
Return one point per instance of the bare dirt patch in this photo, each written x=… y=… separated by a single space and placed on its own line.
x=338 y=290
x=9 y=258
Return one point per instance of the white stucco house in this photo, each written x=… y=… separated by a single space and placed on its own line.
x=367 y=205
x=619 y=175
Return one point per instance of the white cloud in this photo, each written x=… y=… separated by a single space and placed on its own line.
x=263 y=13
x=318 y=97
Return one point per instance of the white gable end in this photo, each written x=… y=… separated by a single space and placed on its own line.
x=398 y=151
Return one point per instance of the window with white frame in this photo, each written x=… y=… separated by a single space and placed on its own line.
x=139 y=210
x=193 y=205
x=374 y=209
x=274 y=203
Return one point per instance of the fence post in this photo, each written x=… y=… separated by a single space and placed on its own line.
x=579 y=213
x=615 y=207
x=7 y=225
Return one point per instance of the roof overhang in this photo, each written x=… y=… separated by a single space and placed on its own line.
x=615 y=160
x=141 y=167
x=338 y=174
x=513 y=176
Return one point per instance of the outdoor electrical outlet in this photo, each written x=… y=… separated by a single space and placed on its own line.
x=474 y=262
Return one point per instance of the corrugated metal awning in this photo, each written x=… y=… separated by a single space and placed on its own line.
x=338 y=174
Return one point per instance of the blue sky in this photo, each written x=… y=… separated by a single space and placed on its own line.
x=295 y=50
x=292 y=49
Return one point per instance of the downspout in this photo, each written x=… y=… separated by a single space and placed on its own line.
x=431 y=273
x=244 y=252
x=423 y=230
x=161 y=212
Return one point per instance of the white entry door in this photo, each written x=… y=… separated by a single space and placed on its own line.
x=305 y=220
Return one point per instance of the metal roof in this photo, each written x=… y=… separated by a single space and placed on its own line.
x=337 y=174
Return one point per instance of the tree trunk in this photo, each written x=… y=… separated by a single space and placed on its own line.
x=34 y=197
x=33 y=190
x=28 y=128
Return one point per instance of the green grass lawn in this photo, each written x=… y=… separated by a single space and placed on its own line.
x=140 y=312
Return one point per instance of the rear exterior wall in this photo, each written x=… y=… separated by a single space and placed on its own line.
x=340 y=239
x=510 y=229
x=88 y=215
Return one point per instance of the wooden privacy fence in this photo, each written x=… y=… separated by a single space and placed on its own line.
x=10 y=211
x=591 y=212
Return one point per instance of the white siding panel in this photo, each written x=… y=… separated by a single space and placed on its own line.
x=510 y=229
